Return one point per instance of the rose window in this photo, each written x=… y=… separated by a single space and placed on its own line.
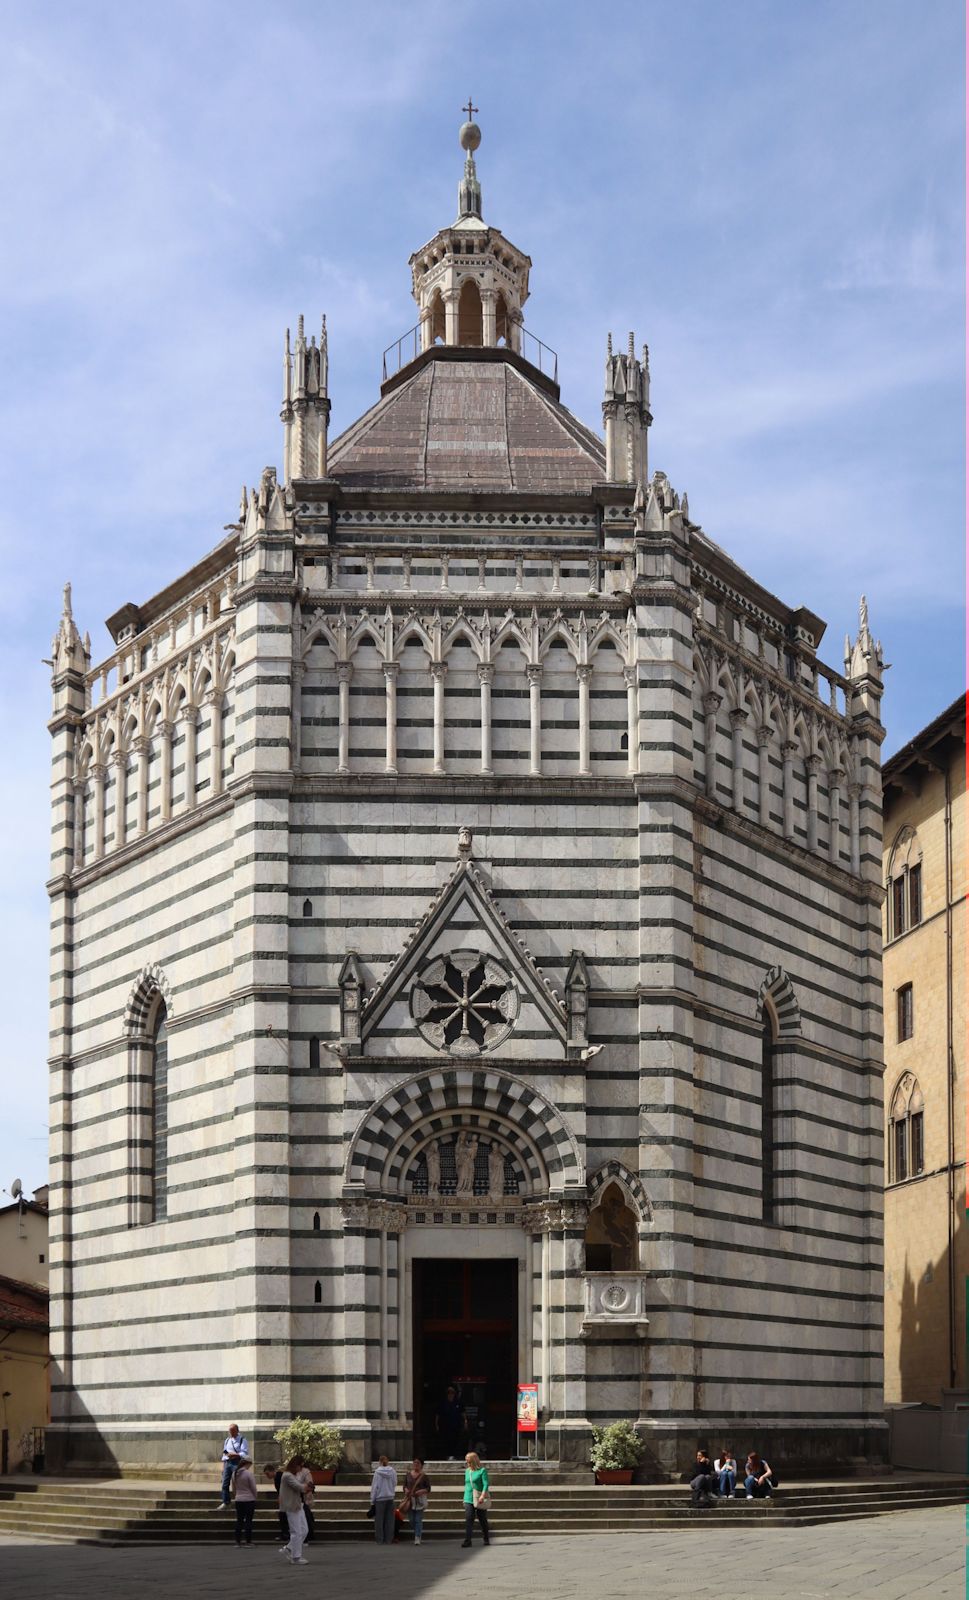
x=464 y=1003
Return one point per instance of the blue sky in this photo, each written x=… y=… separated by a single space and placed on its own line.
x=770 y=193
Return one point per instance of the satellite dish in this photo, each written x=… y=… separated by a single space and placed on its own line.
x=16 y=1189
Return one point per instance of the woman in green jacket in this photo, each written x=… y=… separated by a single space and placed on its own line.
x=477 y=1498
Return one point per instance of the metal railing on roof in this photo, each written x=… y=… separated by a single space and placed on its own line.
x=408 y=347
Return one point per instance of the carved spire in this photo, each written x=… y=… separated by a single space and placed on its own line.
x=469 y=189
x=305 y=413
x=625 y=414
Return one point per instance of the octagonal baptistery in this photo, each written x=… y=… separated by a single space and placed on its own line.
x=465 y=897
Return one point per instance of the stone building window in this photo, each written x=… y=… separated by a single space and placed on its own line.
x=905 y=1004
x=906 y=1131
x=612 y=1234
x=904 y=887
x=464 y=1003
x=159 y=1117
x=767 y=1071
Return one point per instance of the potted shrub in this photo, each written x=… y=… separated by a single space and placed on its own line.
x=320 y=1446
x=616 y=1452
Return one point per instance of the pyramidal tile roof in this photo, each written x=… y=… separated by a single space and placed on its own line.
x=460 y=422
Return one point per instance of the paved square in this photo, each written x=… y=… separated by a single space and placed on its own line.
x=897 y=1557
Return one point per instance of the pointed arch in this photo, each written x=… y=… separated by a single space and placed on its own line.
x=776 y=1000
x=150 y=988
x=617 y=1172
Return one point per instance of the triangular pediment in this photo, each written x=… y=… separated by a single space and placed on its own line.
x=465 y=916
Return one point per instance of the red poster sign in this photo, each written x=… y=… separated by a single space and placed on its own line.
x=527 y=1408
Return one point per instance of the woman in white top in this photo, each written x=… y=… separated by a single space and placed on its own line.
x=291 y=1501
x=382 y=1491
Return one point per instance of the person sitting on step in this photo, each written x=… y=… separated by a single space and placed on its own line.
x=702 y=1483
x=725 y=1468
x=758 y=1477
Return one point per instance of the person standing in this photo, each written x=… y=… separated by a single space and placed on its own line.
x=291 y=1501
x=233 y=1450
x=382 y=1491
x=274 y=1474
x=417 y=1488
x=451 y=1423
x=477 y=1498
x=309 y=1490
x=245 y=1490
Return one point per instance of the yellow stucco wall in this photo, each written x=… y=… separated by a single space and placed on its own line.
x=24 y=1373
x=922 y=1213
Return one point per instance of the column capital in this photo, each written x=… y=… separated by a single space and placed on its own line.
x=391 y=670
x=556 y=1215
x=712 y=703
x=486 y=672
x=583 y=671
x=533 y=671
x=789 y=749
x=166 y=729
x=764 y=734
x=344 y=671
x=631 y=677
x=189 y=714
x=142 y=745
x=215 y=697
x=99 y=772
x=438 y=671
x=119 y=758
x=738 y=717
x=836 y=777
x=813 y=763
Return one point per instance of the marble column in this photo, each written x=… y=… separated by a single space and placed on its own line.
x=391 y=671
x=165 y=735
x=98 y=775
x=143 y=752
x=214 y=700
x=788 y=752
x=344 y=672
x=584 y=674
x=119 y=761
x=631 y=675
x=534 y=675
x=450 y=298
x=438 y=673
x=738 y=721
x=711 y=705
x=836 y=780
x=763 y=774
x=486 y=675
x=813 y=766
x=489 y=334
x=190 y=718
x=296 y=716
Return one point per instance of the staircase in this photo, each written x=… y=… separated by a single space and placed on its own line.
x=526 y=1501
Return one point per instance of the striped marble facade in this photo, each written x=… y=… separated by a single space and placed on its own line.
x=378 y=727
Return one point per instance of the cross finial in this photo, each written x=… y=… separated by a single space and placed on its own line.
x=470 y=109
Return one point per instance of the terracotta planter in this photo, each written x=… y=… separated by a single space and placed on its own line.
x=323 y=1474
x=615 y=1475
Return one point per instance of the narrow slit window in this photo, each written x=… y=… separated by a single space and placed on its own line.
x=906 y=1012
x=318 y=1293
x=898 y=907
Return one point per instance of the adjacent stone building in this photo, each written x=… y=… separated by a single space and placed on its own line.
x=466 y=944
x=926 y=1253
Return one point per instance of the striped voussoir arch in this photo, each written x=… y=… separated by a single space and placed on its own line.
x=150 y=985
x=481 y=1100
x=776 y=994
x=617 y=1171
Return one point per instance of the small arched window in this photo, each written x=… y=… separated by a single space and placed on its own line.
x=612 y=1234
x=438 y=319
x=159 y=1115
x=906 y=1131
x=318 y=1293
x=501 y=321
x=307 y=908
x=316 y=1222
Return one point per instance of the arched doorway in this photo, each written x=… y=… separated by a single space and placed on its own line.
x=470 y=321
